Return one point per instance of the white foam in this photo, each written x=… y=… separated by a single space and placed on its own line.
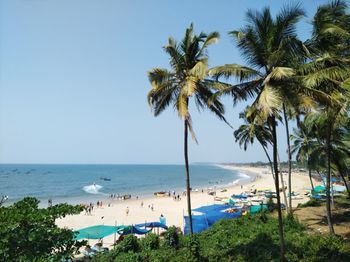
x=93 y=189
x=235 y=182
x=242 y=175
x=232 y=168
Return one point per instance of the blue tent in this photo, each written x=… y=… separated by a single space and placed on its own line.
x=152 y=225
x=200 y=224
x=211 y=208
x=211 y=214
x=133 y=230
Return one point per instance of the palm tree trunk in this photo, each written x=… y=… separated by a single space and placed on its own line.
x=280 y=221
x=188 y=187
x=340 y=169
x=328 y=183
x=312 y=184
x=346 y=184
x=289 y=161
x=282 y=183
x=270 y=162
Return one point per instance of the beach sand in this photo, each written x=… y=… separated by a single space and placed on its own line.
x=115 y=214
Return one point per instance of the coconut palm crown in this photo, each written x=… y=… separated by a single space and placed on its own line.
x=271 y=49
x=187 y=79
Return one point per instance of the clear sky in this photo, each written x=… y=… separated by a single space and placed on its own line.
x=73 y=80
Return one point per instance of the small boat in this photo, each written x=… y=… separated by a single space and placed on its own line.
x=125 y=197
x=105 y=178
x=218 y=198
x=160 y=194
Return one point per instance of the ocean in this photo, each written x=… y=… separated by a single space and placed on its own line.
x=83 y=183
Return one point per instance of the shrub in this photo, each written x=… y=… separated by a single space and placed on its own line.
x=271 y=206
x=129 y=244
x=29 y=233
x=150 y=242
x=171 y=237
x=243 y=239
x=311 y=203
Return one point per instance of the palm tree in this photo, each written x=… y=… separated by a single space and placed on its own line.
x=329 y=73
x=305 y=147
x=253 y=129
x=186 y=80
x=268 y=46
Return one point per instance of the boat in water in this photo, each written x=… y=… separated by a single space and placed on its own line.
x=105 y=178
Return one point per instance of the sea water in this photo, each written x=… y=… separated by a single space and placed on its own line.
x=83 y=183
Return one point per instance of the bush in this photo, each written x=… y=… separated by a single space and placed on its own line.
x=271 y=206
x=311 y=203
x=243 y=239
x=29 y=233
x=129 y=244
x=150 y=242
x=171 y=237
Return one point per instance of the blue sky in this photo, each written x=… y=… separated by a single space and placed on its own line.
x=73 y=80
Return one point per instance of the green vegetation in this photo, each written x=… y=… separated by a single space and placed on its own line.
x=311 y=203
x=244 y=239
x=285 y=79
x=29 y=233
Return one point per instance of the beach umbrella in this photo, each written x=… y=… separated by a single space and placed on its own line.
x=97 y=232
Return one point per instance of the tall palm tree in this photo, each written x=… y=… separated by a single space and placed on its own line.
x=305 y=147
x=253 y=129
x=186 y=81
x=329 y=72
x=268 y=45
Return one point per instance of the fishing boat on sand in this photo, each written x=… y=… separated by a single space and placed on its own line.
x=160 y=194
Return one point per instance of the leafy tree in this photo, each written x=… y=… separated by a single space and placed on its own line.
x=29 y=233
x=329 y=73
x=268 y=45
x=305 y=147
x=251 y=130
x=186 y=80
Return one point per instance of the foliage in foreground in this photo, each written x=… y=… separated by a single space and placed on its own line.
x=29 y=233
x=243 y=239
x=311 y=203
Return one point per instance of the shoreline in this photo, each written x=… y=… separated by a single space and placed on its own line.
x=243 y=177
x=115 y=213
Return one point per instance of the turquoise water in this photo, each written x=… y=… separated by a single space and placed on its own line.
x=79 y=183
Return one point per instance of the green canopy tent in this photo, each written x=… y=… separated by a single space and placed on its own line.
x=319 y=189
x=97 y=232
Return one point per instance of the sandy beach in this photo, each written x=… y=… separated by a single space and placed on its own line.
x=113 y=212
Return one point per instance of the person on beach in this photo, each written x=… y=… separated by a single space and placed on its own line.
x=49 y=202
x=141 y=203
x=162 y=219
x=127 y=211
x=152 y=207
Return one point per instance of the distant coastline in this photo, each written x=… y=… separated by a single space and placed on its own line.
x=75 y=183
